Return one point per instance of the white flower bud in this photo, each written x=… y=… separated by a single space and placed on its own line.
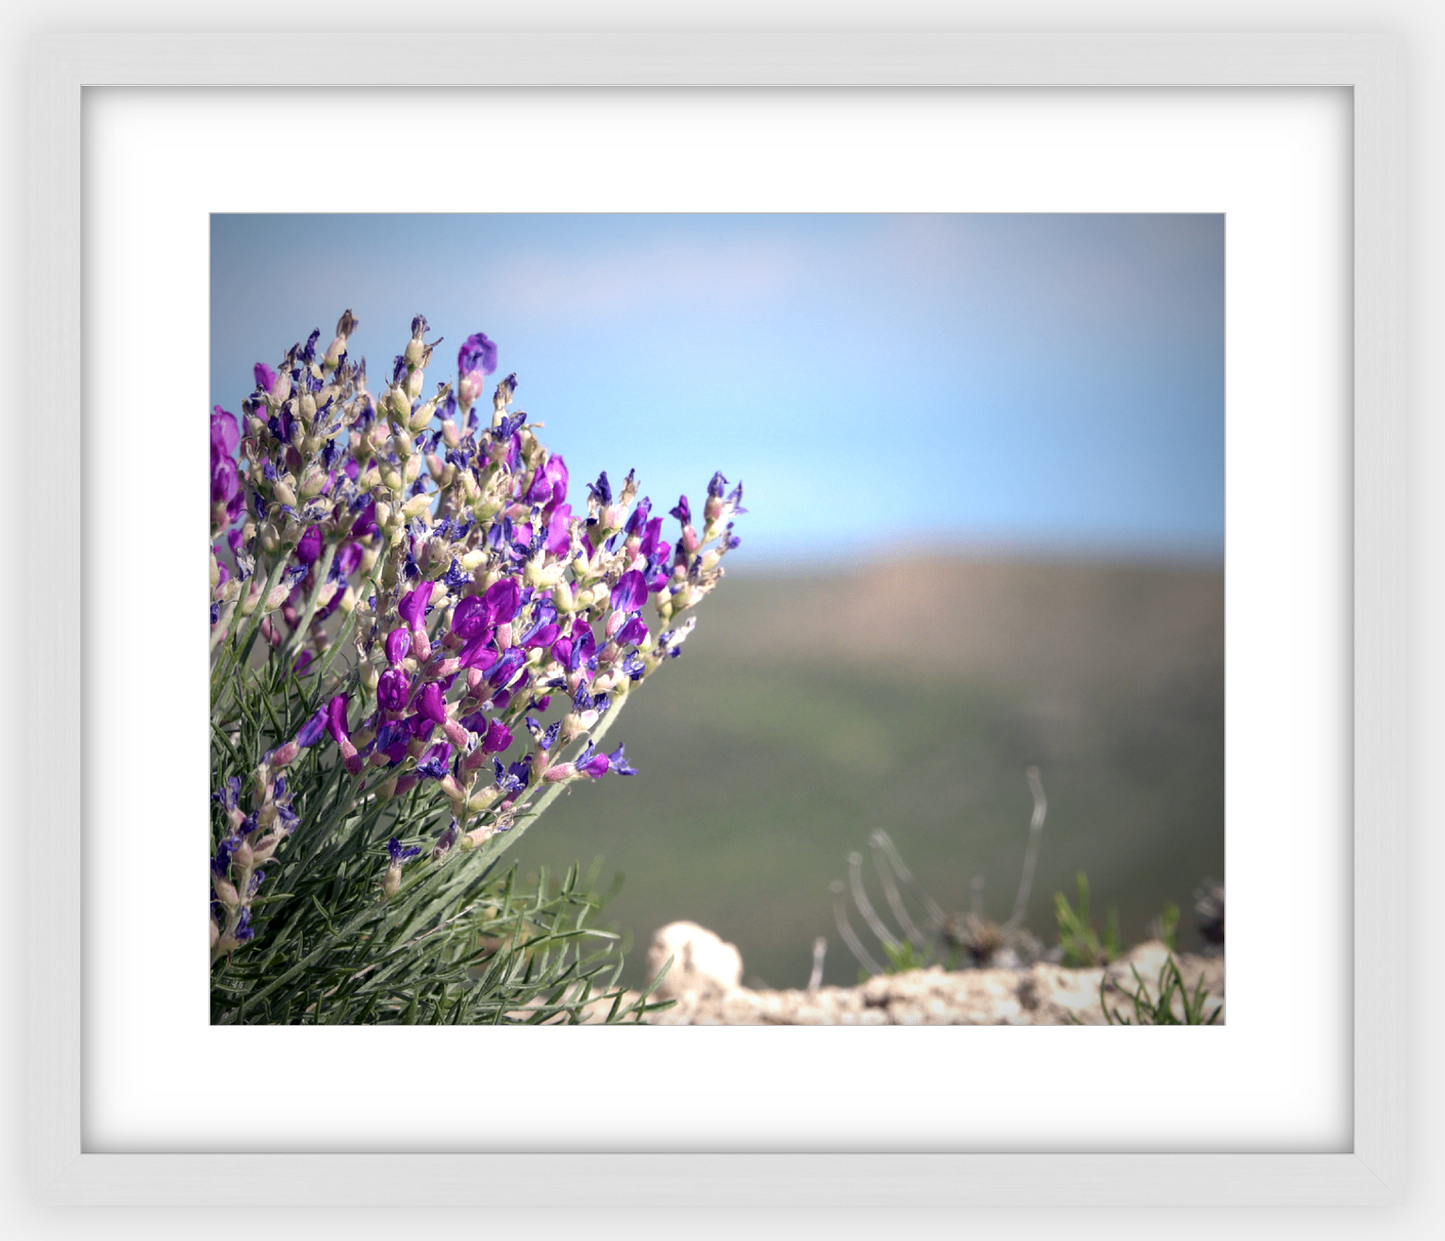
x=398 y=404
x=312 y=483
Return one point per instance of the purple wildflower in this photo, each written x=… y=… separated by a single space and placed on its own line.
x=311 y=731
x=392 y=690
x=309 y=548
x=630 y=593
x=471 y=618
x=225 y=433
x=397 y=854
x=617 y=761
x=502 y=600
x=497 y=738
x=590 y=763
x=398 y=643
x=478 y=355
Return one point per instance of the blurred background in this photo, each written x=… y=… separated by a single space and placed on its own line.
x=983 y=458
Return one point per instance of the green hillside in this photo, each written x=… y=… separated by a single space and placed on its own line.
x=809 y=709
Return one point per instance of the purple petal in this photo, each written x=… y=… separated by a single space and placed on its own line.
x=477 y=354
x=502 y=599
x=398 y=643
x=413 y=604
x=630 y=593
x=225 y=432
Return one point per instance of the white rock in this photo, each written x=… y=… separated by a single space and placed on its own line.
x=703 y=963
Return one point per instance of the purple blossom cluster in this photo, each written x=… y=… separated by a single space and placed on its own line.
x=475 y=600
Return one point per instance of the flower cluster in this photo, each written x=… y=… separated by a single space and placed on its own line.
x=437 y=549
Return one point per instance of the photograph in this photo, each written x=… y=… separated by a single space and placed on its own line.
x=917 y=520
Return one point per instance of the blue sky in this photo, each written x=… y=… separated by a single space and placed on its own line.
x=875 y=381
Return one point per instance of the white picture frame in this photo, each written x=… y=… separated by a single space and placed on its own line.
x=1371 y=1173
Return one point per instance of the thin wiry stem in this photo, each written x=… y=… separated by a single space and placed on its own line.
x=865 y=906
x=936 y=916
x=894 y=897
x=1031 y=857
x=820 y=950
x=845 y=929
x=298 y=635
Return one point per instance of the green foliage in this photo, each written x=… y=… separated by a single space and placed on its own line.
x=1077 y=937
x=1160 y=1010
x=903 y=956
x=1166 y=926
x=458 y=942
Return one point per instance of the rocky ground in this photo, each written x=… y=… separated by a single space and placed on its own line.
x=704 y=983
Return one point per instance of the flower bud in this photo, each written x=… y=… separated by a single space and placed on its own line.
x=313 y=483
x=416 y=506
x=284 y=755
x=424 y=414
x=477 y=836
x=369 y=677
x=413 y=384
x=413 y=469
x=306 y=407
x=391 y=884
x=225 y=892
x=481 y=801
x=283 y=493
x=397 y=404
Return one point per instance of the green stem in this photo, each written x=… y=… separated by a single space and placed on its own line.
x=259 y=614
x=504 y=840
x=372 y=583
x=299 y=634
x=224 y=622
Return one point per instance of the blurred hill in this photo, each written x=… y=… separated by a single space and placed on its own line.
x=811 y=707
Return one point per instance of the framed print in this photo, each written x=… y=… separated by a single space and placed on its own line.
x=1295 y=140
